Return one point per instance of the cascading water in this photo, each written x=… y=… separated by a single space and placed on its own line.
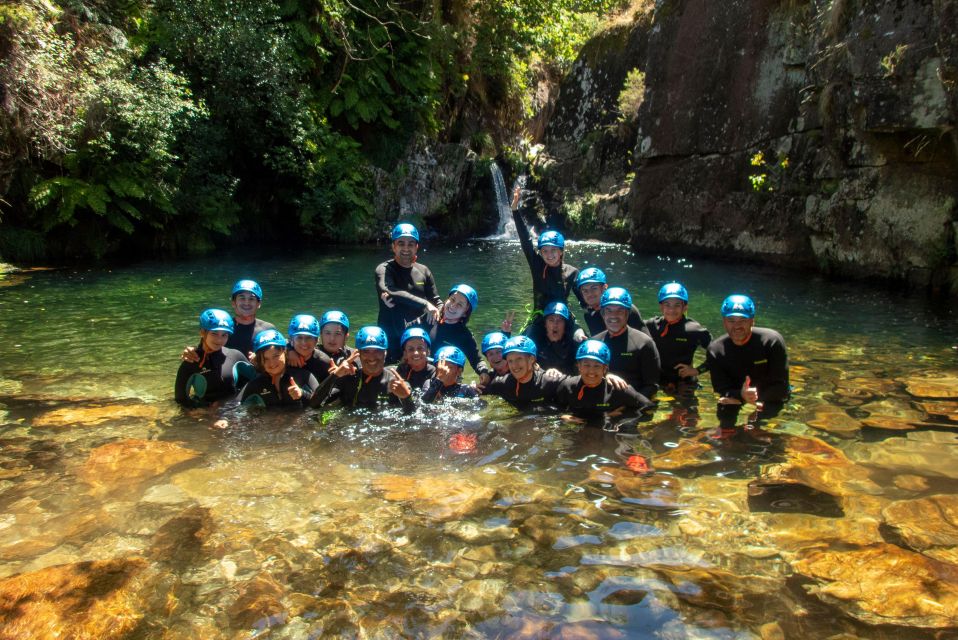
x=507 y=228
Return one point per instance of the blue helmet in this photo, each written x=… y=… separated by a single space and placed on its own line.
x=673 y=290
x=372 y=337
x=334 y=316
x=469 y=293
x=250 y=286
x=738 y=306
x=268 y=338
x=557 y=309
x=405 y=230
x=551 y=239
x=616 y=296
x=303 y=325
x=520 y=344
x=415 y=332
x=216 y=320
x=592 y=274
x=451 y=354
x=594 y=350
x=494 y=340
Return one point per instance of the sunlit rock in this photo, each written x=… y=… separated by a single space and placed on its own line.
x=943 y=409
x=83 y=601
x=855 y=391
x=91 y=415
x=689 y=454
x=656 y=491
x=258 y=604
x=246 y=478
x=165 y=494
x=437 y=497
x=910 y=482
x=475 y=532
x=834 y=420
x=545 y=529
x=745 y=596
x=926 y=453
x=935 y=384
x=119 y=465
x=181 y=539
x=797 y=531
x=820 y=466
x=481 y=595
x=884 y=584
x=927 y=524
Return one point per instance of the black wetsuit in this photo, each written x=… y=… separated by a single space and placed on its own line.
x=635 y=358
x=537 y=392
x=677 y=343
x=596 y=325
x=410 y=290
x=360 y=390
x=318 y=363
x=434 y=391
x=217 y=368
x=458 y=335
x=554 y=355
x=763 y=359
x=416 y=379
x=242 y=337
x=593 y=402
x=549 y=284
x=262 y=385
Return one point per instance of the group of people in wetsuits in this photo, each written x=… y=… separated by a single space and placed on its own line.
x=613 y=363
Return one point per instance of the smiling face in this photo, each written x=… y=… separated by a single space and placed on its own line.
x=673 y=309
x=415 y=353
x=334 y=337
x=373 y=361
x=551 y=255
x=555 y=327
x=592 y=371
x=245 y=305
x=497 y=362
x=521 y=365
x=616 y=318
x=738 y=329
x=455 y=308
x=273 y=360
x=304 y=345
x=404 y=251
x=592 y=293
x=213 y=340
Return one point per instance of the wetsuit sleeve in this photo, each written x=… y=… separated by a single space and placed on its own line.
x=651 y=370
x=323 y=392
x=571 y=277
x=776 y=388
x=636 y=322
x=497 y=387
x=469 y=347
x=180 y=392
x=386 y=283
x=705 y=339
x=432 y=292
x=252 y=387
x=722 y=382
x=430 y=390
x=525 y=240
x=630 y=398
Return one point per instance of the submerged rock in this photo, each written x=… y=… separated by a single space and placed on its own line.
x=119 y=464
x=689 y=454
x=437 y=497
x=94 y=414
x=945 y=409
x=884 y=584
x=834 y=420
x=656 y=491
x=925 y=453
x=929 y=525
x=935 y=384
x=83 y=601
x=258 y=604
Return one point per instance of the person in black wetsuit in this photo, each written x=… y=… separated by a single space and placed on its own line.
x=552 y=279
x=452 y=328
x=448 y=380
x=277 y=385
x=304 y=351
x=677 y=336
x=333 y=329
x=590 y=284
x=634 y=356
x=553 y=335
x=748 y=365
x=589 y=395
x=216 y=364
x=406 y=289
x=526 y=386
x=492 y=344
x=369 y=386
x=415 y=368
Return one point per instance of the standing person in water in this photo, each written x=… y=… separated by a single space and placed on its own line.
x=415 y=368
x=552 y=279
x=405 y=288
x=553 y=335
x=451 y=328
x=213 y=376
x=590 y=285
x=748 y=365
x=370 y=385
x=276 y=384
x=677 y=337
x=246 y=298
x=634 y=356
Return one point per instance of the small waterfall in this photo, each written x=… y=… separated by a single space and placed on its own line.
x=507 y=228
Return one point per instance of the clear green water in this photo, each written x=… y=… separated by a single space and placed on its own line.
x=372 y=524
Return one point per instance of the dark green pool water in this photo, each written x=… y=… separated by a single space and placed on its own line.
x=371 y=524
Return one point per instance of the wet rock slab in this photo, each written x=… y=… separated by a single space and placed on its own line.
x=655 y=491
x=884 y=584
x=925 y=453
x=91 y=415
x=929 y=525
x=834 y=420
x=438 y=497
x=933 y=384
x=119 y=464
x=688 y=454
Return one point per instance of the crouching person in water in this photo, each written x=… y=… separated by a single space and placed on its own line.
x=589 y=395
x=276 y=384
x=366 y=387
x=213 y=376
x=492 y=344
x=450 y=362
x=414 y=367
x=526 y=385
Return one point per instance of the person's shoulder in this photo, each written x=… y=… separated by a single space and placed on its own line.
x=639 y=336
x=382 y=266
x=569 y=383
x=691 y=324
x=263 y=325
x=768 y=335
x=233 y=354
x=719 y=343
